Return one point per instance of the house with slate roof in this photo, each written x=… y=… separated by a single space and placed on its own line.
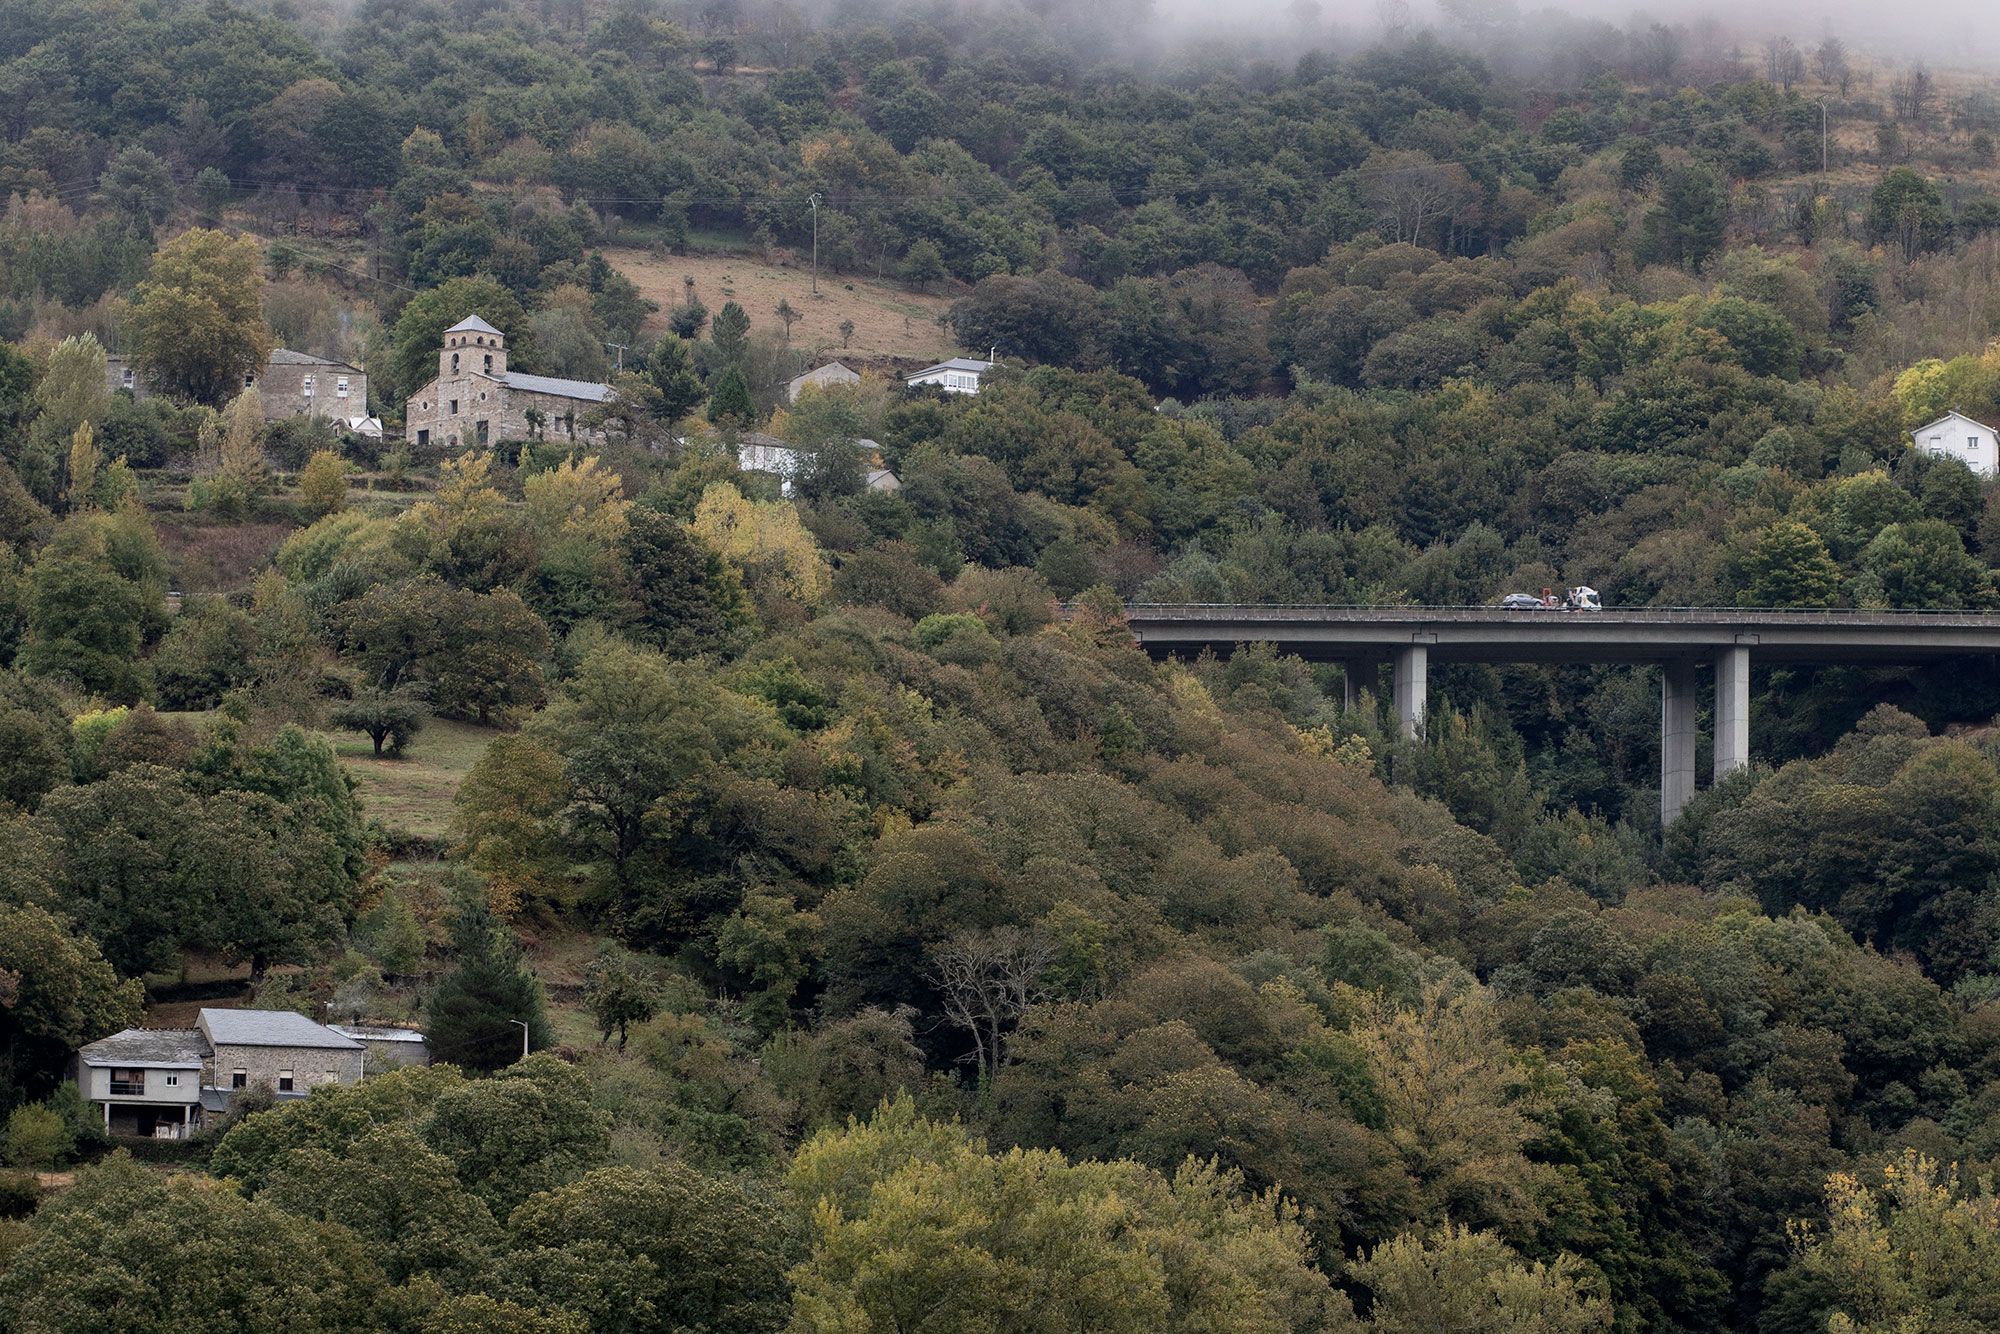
x=289 y=384
x=160 y=1083
x=477 y=401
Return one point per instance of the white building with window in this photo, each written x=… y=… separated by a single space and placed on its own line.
x=158 y=1083
x=960 y=375
x=1957 y=436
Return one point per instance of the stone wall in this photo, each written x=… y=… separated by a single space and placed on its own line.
x=261 y=1065
x=283 y=386
x=429 y=421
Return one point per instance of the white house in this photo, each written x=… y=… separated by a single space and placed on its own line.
x=820 y=377
x=146 y=1080
x=1957 y=436
x=960 y=375
x=757 y=452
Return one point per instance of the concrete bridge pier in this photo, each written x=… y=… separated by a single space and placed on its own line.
x=1412 y=687
x=1732 y=711
x=1679 y=731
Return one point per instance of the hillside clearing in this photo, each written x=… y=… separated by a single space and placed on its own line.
x=412 y=795
x=890 y=321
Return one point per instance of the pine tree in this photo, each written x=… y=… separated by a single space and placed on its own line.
x=474 y=1009
x=671 y=369
x=731 y=404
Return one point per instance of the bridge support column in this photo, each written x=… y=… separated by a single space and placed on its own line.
x=1678 y=732
x=1412 y=684
x=1732 y=711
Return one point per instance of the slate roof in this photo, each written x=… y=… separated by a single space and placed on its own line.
x=271 y=1028
x=472 y=324
x=284 y=356
x=548 y=384
x=171 y=1048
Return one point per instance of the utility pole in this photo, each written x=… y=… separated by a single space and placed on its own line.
x=622 y=347
x=523 y=1026
x=813 y=199
x=1822 y=144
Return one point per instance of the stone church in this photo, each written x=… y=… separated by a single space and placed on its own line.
x=476 y=400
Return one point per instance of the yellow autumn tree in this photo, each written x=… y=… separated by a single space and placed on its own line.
x=84 y=460
x=766 y=542
x=576 y=498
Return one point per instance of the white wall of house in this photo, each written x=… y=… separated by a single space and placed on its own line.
x=1959 y=437
x=159 y=1084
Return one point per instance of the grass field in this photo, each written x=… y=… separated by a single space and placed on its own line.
x=890 y=321
x=412 y=795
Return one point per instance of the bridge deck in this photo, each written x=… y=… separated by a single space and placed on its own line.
x=1489 y=634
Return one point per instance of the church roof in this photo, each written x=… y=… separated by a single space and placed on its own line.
x=472 y=324
x=588 y=391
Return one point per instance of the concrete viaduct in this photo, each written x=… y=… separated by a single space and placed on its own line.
x=1680 y=641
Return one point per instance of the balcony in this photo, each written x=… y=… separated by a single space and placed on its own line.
x=128 y=1088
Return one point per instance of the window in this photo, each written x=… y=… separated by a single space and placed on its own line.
x=454 y=363
x=489 y=363
x=482 y=396
x=333 y=1076
x=284 y=1081
x=307 y=384
x=1971 y=444
x=249 y=378
x=482 y=433
x=173 y=1081
x=423 y=438
x=128 y=1083
x=239 y=1079
x=454 y=407
x=126 y=376
x=340 y=387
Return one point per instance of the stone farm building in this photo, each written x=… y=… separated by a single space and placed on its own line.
x=476 y=400
x=291 y=384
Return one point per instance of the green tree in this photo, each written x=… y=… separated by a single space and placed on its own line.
x=1788 y=566
x=671 y=369
x=475 y=1009
x=170 y=1251
x=917 y=1225
x=70 y=396
x=701 y=1252
x=1919 y=1251
x=390 y=718
x=1460 y=1280
x=61 y=994
x=618 y=992
x=532 y=1128
x=923 y=265
x=1923 y=564
x=1686 y=227
x=96 y=593
x=729 y=331
x=731 y=406
x=140 y=185
x=206 y=654
x=1907 y=210
x=685 y=599
x=38 y=1139
x=401 y=1198
x=198 y=318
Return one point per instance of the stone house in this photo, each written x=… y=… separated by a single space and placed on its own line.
x=477 y=401
x=162 y=1083
x=285 y=1050
x=291 y=384
x=821 y=377
x=387 y=1047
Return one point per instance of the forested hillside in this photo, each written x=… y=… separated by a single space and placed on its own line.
x=900 y=948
